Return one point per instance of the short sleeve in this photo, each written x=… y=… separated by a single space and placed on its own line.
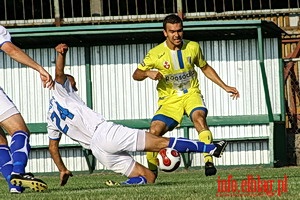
x=53 y=133
x=200 y=60
x=147 y=63
x=4 y=36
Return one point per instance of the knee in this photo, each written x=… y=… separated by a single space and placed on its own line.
x=200 y=123
x=158 y=128
x=155 y=131
x=199 y=115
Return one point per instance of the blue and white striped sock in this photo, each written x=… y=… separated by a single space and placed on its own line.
x=183 y=145
x=19 y=149
x=6 y=166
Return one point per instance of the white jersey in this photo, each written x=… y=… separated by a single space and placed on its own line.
x=4 y=35
x=68 y=114
x=109 y=142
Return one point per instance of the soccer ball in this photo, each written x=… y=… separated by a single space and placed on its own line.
x=168 y=159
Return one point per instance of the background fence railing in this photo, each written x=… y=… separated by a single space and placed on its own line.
x=68 y=12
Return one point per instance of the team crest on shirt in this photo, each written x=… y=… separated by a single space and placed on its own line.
x=166 y=65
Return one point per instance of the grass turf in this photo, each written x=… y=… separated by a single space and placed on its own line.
x=181 y=184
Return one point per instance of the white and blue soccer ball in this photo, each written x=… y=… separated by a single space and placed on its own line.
x=168 y=159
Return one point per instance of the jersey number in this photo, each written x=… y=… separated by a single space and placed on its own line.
x=62 y=115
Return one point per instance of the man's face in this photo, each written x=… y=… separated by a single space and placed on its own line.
x=174 y=34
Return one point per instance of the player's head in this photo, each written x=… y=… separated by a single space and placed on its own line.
x=173 y=31
x=72 y=81
x=172 y=19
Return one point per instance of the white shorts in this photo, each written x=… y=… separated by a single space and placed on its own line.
x=7 y=107
x=111 y=144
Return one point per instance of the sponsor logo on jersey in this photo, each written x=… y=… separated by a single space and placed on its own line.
x=181 y=76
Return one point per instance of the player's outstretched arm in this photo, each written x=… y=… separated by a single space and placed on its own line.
x=211 y=74
x=20 y=56
x=60 y=75
x=54 y=152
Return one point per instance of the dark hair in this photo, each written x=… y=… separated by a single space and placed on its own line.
x=172 y=19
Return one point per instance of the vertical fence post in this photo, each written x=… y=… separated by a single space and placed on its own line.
x=89 y=97
x=263 y=73
x=96 y=8
x=56 y=13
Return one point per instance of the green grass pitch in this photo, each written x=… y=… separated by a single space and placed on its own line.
x=181 y=184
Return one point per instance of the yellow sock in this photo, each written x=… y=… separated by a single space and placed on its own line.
x=206 y=137
x=152 y=160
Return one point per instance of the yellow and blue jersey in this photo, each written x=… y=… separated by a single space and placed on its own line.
x=177 y=67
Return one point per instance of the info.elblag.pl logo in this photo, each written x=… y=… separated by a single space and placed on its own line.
x=251 y=186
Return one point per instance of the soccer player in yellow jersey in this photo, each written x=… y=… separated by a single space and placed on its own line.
x=172 y=63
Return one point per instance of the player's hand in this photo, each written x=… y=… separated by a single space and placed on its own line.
x=234 y=92
x=62 y=48
x=46 y=79
x=64 y=176
x=155 y=75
